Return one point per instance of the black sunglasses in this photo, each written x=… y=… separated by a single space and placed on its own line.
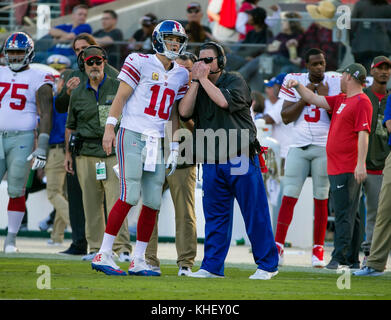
x=207 y=60
x=90 y=62
x=193 y=11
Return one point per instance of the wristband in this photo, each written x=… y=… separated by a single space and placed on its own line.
x=195 y=80
x=296 y=86
x=112 y=120
x=174 y=146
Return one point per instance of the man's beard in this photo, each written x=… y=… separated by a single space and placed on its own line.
x=94 y=75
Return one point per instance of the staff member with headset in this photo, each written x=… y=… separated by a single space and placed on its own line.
x=88 y=110
x=220 y=101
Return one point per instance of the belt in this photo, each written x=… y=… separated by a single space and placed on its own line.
x=57 y=145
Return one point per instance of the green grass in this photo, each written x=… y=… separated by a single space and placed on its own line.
x=74 y=280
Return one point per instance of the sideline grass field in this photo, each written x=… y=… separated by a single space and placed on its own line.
x=74 y=280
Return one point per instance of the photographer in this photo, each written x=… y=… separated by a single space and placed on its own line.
x=88 y=109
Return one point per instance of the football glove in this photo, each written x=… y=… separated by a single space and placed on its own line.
x=39 y=154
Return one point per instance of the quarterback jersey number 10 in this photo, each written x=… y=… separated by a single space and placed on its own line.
x=155 y=91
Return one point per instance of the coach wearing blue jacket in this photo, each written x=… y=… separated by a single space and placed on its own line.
x=219 y=103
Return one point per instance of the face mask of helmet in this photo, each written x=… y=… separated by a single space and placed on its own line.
x=170 y=54
x=16 y=59
x=159 y=42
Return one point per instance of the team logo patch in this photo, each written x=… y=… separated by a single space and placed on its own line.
x=341 y=107
x=155 y=76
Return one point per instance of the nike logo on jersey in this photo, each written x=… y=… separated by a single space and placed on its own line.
x=365 y=124
x=341 y=186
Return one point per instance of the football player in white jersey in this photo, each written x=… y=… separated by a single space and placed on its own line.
x=150 y=86
x=307 y=154
x=24 y=93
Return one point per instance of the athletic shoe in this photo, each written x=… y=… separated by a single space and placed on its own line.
x=52 y=243
x=10 y=248
x=104 y=262
x=89 y=257
x=124 y=257
x=368 y=271
x=202 y=273
x=154 y=268
x=184 y=271
x=75 y=251
x=280 y=248
x=317 y=257
x=262 y=275
x=355 y=266
x=138 y=267
x=45 y=224
x=335 y=265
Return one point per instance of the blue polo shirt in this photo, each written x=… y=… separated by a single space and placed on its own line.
x=66 y=48
x=387 y=116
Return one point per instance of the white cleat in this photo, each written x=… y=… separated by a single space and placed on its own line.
x=262 y=275
x=138 y=267
x=104 y=262
x=202 y=273
x=10 y=248
x=184 y=271
x=317 y=257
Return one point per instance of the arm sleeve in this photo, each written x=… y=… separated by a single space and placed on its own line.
x=288 y=94
x=363 y=118
x=237 y=94
x=332 y=100
x=184 y=86
x=131 y=70
x=71 y=120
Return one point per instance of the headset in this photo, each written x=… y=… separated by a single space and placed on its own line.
x=221 y=58
x=80 y=57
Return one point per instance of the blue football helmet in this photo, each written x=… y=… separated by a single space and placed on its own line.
x=168 y=28
x=19 y=41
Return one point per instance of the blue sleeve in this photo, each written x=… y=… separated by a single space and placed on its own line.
x=387 y=111
x=82 y=28
x=64 y=27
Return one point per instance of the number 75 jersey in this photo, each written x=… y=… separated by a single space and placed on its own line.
x=18 y=108
x=312 y=126
x=155 y=91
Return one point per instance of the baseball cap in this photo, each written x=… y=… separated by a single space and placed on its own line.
x=377 y=61
x=356 y=70
x=93 y=51
x=193 y=5
x=58 y=61
x=271 y=82
x=148 y=20
x=276 y=80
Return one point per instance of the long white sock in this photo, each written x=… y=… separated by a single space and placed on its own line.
x=139 y=250
x=14 y=220
x=107 y=243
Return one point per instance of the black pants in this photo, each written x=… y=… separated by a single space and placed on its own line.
x=76 y=210
x=345 y=194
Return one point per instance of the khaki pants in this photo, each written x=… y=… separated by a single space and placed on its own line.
x=381 y=240
x=93 y=196
x=182 y=188
x=56 y=174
